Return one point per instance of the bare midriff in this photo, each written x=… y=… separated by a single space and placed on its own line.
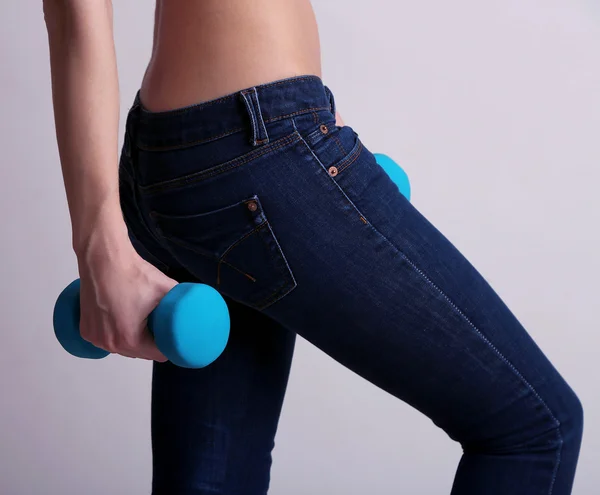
x=204 y=49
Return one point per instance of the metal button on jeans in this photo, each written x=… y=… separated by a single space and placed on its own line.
x=333 y=171
x=252 y=206
x=324 y=129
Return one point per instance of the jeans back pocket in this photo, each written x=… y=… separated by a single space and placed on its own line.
x=234 y=249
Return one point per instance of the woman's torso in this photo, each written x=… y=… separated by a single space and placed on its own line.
x=204 y=49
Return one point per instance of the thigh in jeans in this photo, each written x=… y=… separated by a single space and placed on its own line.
x=313 y=234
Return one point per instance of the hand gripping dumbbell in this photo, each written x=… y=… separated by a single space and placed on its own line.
x=190 y=325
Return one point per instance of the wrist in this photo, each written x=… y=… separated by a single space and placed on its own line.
x=105 y=237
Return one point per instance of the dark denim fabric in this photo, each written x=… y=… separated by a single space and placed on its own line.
x=262 y=196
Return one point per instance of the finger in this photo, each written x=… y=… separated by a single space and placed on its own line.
x=147 y=348
x=128 y=354
x=125 y=349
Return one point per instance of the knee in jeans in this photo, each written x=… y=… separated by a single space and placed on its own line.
x=567 y=411
x=560 y=424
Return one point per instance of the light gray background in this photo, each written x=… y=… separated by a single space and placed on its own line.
x=493 y=108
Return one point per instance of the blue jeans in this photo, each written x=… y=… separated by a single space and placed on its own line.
x=260 y=195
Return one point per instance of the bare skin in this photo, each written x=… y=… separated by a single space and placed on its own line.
x=202 y=49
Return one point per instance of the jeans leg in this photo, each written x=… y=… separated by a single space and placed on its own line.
x=383 y=292
x=213 y=429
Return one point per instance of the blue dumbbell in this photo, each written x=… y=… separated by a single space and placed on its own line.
x=395 y=172
x=190 y=325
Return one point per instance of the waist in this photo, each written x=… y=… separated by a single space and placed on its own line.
x=204 y=49
x=243 y=112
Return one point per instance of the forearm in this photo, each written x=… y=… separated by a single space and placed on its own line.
x=86 y=108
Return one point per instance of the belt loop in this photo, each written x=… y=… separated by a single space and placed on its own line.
x=259 y=131
x=331 y=99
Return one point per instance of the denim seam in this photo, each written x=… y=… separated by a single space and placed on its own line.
x=503 y=358
x=351 y=158
x=315 y=136
x=275 y=295
x=219 y=136
x=281 y=291
x=190 y=144
x=325 y=170
x=339 y=144
x=241 y=239
x=247 y=275
x=237 y=205
x=499 y=354
x=191 y=247
x=219 y=169
x=298 y=112
x=478 y=332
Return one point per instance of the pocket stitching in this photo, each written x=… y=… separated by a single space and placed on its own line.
x=221 y=259
x=339 y=144
x=332 y=179
x=286 y=275
x=350 y=158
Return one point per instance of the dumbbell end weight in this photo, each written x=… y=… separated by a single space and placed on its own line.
x=66 y=325
x=191 y=325
x=395 y=172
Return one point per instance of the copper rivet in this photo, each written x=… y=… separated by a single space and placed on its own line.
x=333 y=171
x=324 y=129
x=252 y=206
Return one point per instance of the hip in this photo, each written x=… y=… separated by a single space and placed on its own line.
x=223 y=189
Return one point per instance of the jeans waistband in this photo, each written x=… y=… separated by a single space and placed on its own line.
x=245 y=110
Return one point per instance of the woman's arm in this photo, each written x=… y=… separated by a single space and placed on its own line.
x=86 y=109
x=118 y=288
